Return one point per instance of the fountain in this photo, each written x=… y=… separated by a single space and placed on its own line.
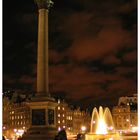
x=102 y=126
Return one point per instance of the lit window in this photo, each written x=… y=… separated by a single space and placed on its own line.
x=63 y=108
x=12 y=112
x=58 y=101
x=63 y=121
x=58 y=115
x=63 y=115
x=21 y=123
x=58 y=121
x=21 y=117
x=18 y=117
x=12 y=117
x=58 y=107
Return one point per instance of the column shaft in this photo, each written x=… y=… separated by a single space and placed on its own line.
x=42 y=61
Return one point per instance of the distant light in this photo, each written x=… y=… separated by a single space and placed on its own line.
x=111 y=128
x=127 y=120
x=64 y=126
x=59 y=129
x=20 y=131
x=15 y=130
x=4 y=127
x=135 y=129
x=83 y=128
x=94 y=122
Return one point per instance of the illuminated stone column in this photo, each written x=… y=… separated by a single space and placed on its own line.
x=42 y=53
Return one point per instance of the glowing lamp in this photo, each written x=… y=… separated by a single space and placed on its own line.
x=83 y=128
x=59 y=129
x=15 y=130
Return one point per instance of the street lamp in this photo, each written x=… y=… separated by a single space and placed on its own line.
x=83 y=128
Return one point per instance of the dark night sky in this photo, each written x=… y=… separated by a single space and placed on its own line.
x=92 y=49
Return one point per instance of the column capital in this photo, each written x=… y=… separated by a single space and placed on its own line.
x=44 y=4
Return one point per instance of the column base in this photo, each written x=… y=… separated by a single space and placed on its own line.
x=40 y=133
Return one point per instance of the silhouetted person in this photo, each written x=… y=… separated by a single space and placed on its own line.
x=80 y=137
x=61 y=135
x=56 y=137
x=3 y=138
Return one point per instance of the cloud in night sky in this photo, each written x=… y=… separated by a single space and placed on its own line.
x=93 y=49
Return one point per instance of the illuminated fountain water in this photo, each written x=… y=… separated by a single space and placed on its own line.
x=102 y=126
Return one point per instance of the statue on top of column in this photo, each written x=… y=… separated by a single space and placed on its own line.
x=44 y=4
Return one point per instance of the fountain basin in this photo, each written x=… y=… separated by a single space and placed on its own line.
x=110 y=136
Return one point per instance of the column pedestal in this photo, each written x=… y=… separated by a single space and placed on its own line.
x=42 y=120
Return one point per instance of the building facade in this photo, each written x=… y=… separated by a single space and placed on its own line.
x=121 y=117
x=71 y=119
x=16 y=118
x=19 y=115
x=128 y=100
x=61 y=115
x=125 y=114
x=81 y=119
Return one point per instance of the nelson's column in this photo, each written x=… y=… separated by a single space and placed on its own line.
x=42 y=106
